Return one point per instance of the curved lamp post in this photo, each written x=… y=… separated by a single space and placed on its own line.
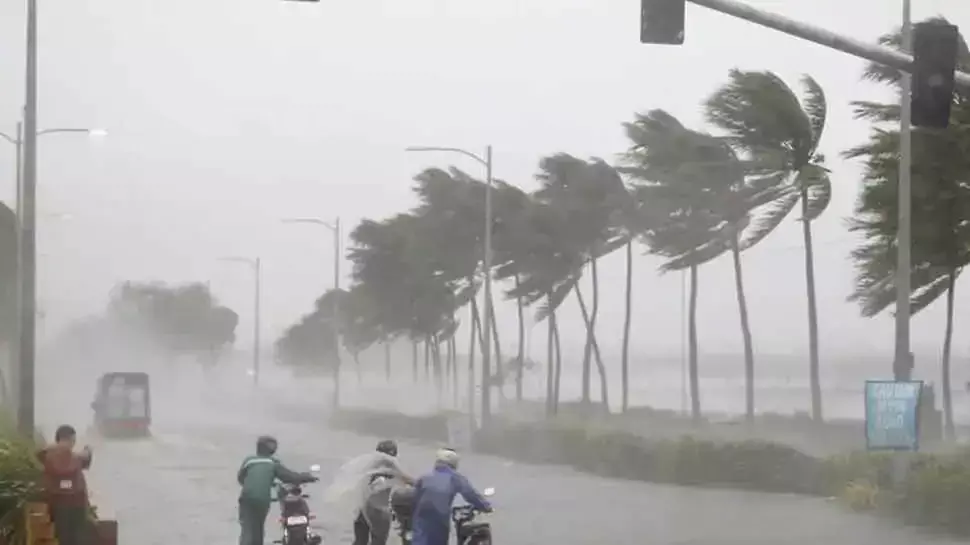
x=485 y=161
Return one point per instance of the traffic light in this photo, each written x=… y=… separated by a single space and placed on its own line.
x=662 y=21
x=935 y=46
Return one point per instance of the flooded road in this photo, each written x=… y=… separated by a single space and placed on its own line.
x=179 y=487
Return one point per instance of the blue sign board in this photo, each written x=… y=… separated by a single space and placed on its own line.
x=892 y=414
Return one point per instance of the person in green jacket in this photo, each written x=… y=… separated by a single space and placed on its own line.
x=257 y=475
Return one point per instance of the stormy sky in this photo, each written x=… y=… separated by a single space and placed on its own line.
x=227 y=115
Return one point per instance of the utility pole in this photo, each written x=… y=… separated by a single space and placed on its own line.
x=28 y=240
x=336 y=311
x=337 y=250
x=903 y=364
x=487 y=260
x=487 y=326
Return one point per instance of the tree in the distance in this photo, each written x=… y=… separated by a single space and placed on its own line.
x=182 y=319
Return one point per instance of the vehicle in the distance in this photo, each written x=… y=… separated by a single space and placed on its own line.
x=122 y=405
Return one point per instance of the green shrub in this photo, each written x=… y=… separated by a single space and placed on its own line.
x=20 y=481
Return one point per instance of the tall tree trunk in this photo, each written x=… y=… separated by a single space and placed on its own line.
x=427 y=358
x=470 y=379
x=600 y=368
x=949 y=428
x=558 y=379
x=499 y=372
x=520 y=359
x=625 y=357
x=813 y=365
x=414 y=359
x=387 y=359
x=745 y=333
x=477 y=323
x=453 y=356
x=594 y=349
x=551 y=357
x=692 y=366
x=360 y=375
x=585 y=397
x=436 y=366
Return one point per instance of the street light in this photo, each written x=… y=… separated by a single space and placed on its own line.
x=255 y=264
x=487 y=327
x=902 y=362
x=25 y=144
x=17 y=140
x=335 y=229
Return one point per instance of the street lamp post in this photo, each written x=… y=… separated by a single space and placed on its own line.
x=24 y=142
x=335 y=229
x=487 y=326
x=903 y=363
x=255 y=264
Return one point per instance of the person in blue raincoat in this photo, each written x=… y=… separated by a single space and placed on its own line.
x=433 y=497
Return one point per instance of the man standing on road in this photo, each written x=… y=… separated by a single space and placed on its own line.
x=434 y=495
x=65 y=487
x=256 y=475
x=373 y=523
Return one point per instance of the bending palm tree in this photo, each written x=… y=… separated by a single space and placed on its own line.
x=780 y=136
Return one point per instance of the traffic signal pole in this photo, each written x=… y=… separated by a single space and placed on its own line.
x=875 y=53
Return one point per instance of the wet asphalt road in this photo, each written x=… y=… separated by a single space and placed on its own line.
x=179 y=488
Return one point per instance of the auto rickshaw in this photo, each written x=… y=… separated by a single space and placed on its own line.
x=122 y=405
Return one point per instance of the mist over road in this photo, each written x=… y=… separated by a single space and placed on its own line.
x=179 y=487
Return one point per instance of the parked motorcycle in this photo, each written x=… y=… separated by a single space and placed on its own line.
x=469 y=529
x=295 y=515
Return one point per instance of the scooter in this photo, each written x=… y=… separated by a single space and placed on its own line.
x=469 y=530
x=295 y=515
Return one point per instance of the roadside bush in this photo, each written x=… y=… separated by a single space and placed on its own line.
x=934 y=494
x=20 y=481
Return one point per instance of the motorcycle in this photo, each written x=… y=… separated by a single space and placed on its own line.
x=295 y=515
x=402 y=511
x=469 y=530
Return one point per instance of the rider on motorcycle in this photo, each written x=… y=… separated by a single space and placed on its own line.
x=256 y=476
x=373 y=526
x=434 y=495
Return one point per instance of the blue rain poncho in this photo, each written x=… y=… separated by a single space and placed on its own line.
x=434 y=495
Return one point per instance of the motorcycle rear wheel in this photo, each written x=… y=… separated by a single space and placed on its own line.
x=295 y=536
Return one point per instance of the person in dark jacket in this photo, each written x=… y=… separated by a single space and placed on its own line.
x=256 y=476
x=375 y=530
x=433 y=496
x=65 y=487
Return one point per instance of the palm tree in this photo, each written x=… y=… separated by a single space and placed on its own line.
x=779 y=136
x=547 y=267
x=940 y=177
x=696 y=185
x=587 y=193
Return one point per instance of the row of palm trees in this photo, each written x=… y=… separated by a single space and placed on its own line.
x=686 y=195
